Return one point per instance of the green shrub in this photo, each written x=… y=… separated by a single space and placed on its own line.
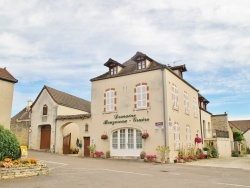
x=238 y=136
x=235 y=153
x=9 y=145
x=248 y=150
x=214 y=152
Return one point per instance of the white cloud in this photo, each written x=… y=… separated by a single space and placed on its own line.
x=65 y=42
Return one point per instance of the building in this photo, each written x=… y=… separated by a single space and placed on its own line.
x=142 y=96
x=20 y=125
x=244 y=127
x=54 y=118
x=7 y=82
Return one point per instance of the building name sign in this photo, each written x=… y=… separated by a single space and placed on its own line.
x=123 y=119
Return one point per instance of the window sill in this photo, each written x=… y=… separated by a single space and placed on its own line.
x=139 y=109
x=110 y=112
x=176 y=108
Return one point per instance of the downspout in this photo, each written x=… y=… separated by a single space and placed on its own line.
x=201 y=126
x=166 y=141
x=56 y=107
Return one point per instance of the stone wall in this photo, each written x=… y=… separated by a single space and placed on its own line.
x=219 y=122
x=9 y=173
x=21 y=130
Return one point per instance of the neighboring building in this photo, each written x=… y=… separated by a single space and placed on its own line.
x=222 y=134
x=55 y=121
x=7 y=82
x=143 y=96
x=244 y=127
x=20 y=125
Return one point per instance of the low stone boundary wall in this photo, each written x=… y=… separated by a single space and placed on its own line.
x=8 y=173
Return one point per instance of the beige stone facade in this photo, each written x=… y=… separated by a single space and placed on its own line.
x=50 y=104
x=7 y=82
x=169 y=117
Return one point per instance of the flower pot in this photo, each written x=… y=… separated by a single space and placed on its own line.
x=91 y=155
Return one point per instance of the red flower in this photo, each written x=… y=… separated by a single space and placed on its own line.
x=198 y=140
x=144 y=135
x=104 y=136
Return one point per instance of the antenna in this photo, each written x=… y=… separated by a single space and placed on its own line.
x=176 y=61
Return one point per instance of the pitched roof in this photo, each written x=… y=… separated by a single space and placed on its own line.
x=22 y=115
x=243 y=125
x=66 y=99
x=5 y=75
x=130 y=67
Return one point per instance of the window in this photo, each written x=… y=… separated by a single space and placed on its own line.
x=115 y=140
x=122 y=139
x=110 y=100
x=209 y=127
x=175 y=96
x=86 y=127
x=176 y=136
x=186 y=103
x=141 y=96
x=113 y=70
x=138 y=139
x=188 y=136
x=45 y=109
x=195 y=107
x=141 y=65
x=130 y=138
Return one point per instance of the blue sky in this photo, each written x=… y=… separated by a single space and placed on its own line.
x=63 y=44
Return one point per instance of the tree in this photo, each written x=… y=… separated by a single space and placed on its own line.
x=238 y=136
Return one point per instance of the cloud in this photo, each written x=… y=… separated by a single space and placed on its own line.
x=65 y=43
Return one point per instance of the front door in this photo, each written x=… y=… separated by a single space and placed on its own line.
x=45 y=137
x=66 y=144
x=86 y=144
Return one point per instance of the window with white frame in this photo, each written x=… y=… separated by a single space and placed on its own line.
x=175 y=96
x=186 y=103
x=141 y=96
x=115 y=140
x=195 y=107
x=188 y=136
x=110 y=100
x=176 y=136
x=142 y=64
x=113 y=70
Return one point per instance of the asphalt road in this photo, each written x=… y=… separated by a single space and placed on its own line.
x=74 y=172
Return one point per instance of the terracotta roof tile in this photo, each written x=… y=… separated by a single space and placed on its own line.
x=243 y=125
x=5 y=75
x=22 y=115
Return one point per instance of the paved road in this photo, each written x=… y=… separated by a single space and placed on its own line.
x=74 y=172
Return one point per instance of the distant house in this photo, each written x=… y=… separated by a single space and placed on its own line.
x=7 y=82
x=244 y=127
x=20 y=125
x=49 y=107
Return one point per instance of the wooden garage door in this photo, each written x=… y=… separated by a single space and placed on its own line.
x=45 y=137
x=66 y=144
x=86 y=144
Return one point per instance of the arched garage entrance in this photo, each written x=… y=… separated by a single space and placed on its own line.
x=70 y=133
x=126 y=142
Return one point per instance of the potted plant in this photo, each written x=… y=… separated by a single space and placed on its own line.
x=145 y=135
x=162 y=151
x=108 y=154
x=150 y=158
x=98 y=154
x=142 y=154
x=104 y=136
x=92 y=148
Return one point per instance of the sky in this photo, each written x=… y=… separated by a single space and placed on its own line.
x=63 y=44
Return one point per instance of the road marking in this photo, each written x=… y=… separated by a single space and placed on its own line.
x=61 y=164
x=126 y=172
x=236 y=185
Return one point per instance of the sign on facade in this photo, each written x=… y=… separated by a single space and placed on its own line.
x=24 y=151
x=159 y=125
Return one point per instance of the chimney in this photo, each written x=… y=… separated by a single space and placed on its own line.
x=28 y=105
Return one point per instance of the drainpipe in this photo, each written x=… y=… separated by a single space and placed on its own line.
x=201 y=127
x=56 y=107
x=166 y=141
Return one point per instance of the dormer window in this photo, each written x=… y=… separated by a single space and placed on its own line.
x=113 y=70
x=141 y=64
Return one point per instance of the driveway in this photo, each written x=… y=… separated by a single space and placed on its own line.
x=74 y=172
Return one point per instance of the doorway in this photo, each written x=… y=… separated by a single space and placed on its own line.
x=45 y=137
